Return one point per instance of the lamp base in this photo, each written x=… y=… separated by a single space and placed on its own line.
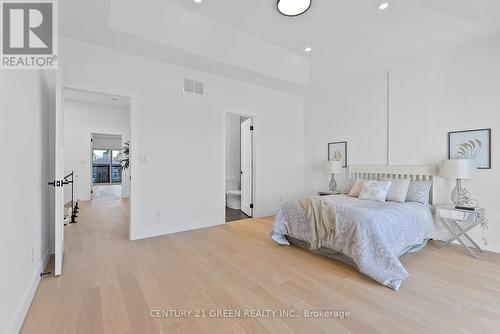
x=333 y=184
x=460 y=195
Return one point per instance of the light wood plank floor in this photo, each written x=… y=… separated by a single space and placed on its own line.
x=110 y=284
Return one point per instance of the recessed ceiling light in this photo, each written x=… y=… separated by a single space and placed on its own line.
x=293 y=7
x=383 y=6
x=198 y=1
x=308 y=49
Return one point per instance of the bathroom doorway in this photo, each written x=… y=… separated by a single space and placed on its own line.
x=239 y=166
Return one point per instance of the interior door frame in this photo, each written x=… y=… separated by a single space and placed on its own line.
x=254 y=164
x=133 y=159
x=249 y=123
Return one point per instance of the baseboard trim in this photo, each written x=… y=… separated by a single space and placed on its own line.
x=46 y=259
x=151 y=232
x=22 y=310
x=266 y=213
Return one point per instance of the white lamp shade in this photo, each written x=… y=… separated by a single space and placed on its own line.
x=333 y=167
x=457 y=169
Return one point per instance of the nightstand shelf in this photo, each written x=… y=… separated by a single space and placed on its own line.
x=458 y=223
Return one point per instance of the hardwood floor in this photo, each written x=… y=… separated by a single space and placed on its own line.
x=107 y=192
x=110 y=284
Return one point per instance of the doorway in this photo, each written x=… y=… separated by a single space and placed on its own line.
x=78 y=114
x=96 y=127
x=239 y=167
x=106 y=169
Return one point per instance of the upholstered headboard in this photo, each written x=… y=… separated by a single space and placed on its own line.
x=423 y=172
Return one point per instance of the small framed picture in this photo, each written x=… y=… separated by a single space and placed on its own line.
x=471 y=144
x=337 y=151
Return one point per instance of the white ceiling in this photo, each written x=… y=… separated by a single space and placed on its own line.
x=95 y=97
x=263 y=47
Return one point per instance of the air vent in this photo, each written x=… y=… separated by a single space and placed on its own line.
x=198 y=87
x=188 y=86
x=192 y=86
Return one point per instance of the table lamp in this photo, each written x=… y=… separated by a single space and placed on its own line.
x=332 y=168
x=458 y=169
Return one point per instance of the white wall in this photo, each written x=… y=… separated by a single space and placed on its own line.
x=181 y=186
x=81 y=119
x=453 y=91
x=355 y=114
x=24 y=194
x=233 y=149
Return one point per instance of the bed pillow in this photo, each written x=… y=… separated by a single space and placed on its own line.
x=418 y=191
x=356 y=188
x=348 y=186
x=375 y=190
x=398 y=190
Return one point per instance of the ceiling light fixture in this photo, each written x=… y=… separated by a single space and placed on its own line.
x=308 y=49
x=198 y=1
x=293 y=7
x=383 y=6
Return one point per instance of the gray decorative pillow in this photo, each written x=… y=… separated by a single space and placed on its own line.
x=348 y=186
x=375 y=190
x=398 y=190
x=418 y=191
x=356 y=188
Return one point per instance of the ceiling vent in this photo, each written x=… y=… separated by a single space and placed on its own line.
x=193 y=87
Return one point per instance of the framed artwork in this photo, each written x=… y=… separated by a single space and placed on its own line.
x=337 y=151
x=471 y=144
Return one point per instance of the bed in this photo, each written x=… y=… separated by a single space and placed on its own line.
x=369 y=235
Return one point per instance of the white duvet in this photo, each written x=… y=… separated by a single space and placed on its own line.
x=373 y=234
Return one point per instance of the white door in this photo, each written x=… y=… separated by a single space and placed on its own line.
x=247 y=167
x=58 y=175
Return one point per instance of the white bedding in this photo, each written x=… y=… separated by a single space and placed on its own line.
x=372 y=234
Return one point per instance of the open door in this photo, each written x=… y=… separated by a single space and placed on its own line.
x=247 y=167
x=58 y=172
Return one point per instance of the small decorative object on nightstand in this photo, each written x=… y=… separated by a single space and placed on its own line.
x=459 y=169
x=459 y=222
x=327 y=193
x=333 y=167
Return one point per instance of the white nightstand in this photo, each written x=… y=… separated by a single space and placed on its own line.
x=328 y=193
x=459 y=222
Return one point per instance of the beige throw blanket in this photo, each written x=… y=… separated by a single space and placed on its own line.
x=321 y=218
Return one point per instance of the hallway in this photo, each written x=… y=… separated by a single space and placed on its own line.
x=107 y=192
x=95 y=247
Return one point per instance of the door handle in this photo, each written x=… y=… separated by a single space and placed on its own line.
x=58 y=183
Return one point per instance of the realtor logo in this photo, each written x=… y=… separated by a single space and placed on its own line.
x=29 y=34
